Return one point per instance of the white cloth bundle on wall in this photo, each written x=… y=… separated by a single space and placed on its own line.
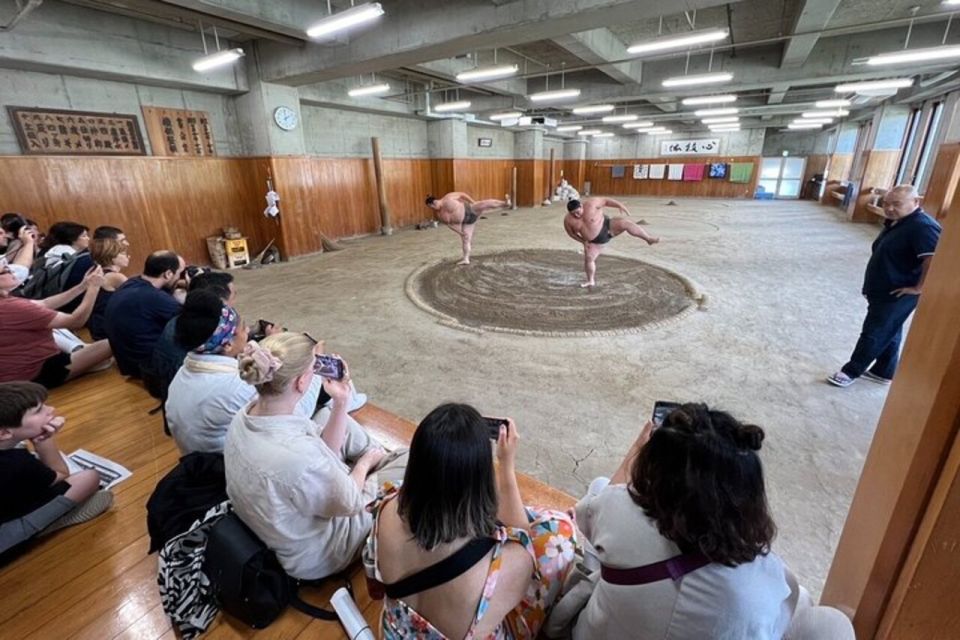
x=641 y=171
x=657 y=171
x=675 y=172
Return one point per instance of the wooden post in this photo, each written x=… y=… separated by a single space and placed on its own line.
x=550 y=185
x=385 y=228
x=513 y=191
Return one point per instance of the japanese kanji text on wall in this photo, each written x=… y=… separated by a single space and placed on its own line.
x=179 y=132
x=60 y=132
x=705 y=147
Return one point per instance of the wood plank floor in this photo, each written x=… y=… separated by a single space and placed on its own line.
x=96 y=580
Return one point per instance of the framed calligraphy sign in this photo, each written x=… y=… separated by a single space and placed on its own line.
x=702 y=147
x=60 y=132
x=179 y=132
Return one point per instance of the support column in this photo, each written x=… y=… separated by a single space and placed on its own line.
x=575 y=163
x=528 y=149
x=840 y=162
x=446 y=141
x=938 y=197
x=881 y=157
x=260 y=134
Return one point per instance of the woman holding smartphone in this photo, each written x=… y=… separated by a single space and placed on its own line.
x=302 y=489
x=457 y=553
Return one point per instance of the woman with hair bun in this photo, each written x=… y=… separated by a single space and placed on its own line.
x=300 y=487
x=682 y=535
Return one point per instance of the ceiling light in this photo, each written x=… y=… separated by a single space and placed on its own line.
x=723 y=111
x=594 y=108
x=657 y=132
x=559 y=94
x=724 y=127
x=804 y=125
x=589 y=132
x=947 y=52
x=703 y=78
x=829 y=104
x=569 y=127
x=488 y=73
x=603 y=135
x=625 y=117
x=346 y=19
x=678 y=41
x=833 y=113
x=854 y=87
x=638 y=125
x=950 y=3
x=725 y=119
x=459 y=105
x=370 y=90
x=814 y=120
x=217 y=59
x=508 y=115
x=709 y=100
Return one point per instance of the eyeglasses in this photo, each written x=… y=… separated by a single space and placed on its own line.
x=311 y=338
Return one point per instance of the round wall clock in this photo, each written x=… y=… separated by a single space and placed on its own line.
x=286 y=118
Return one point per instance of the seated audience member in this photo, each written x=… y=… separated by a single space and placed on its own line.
x=207 y=391
x=692 y=491
x=139 y=310
x=63 y=240
x=111 y=256
x=28 y=350
x=303 y=491
x=510 y=560
x=85 y=260
x=41 y=494
x=20 y=238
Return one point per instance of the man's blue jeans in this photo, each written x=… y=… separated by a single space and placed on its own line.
x=880 y=337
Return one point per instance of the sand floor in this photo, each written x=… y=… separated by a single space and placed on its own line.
x=783 y=310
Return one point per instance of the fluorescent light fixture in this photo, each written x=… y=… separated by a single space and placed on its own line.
x=723 y=120
x=724 y=99
x=644 y=124
x=724 y=127
x=593 y=108
x=459 y=105
x=488 y=73
x=678 y=41
x=559 y=94
x=803 y=125
x=724 y=111
x=589 y=132
x=950 y=3
x=813 y=120
x=832 y=113
x=624 y=117
x=370 y=90
x=657 y=132
x=853 y=87
x=217 y=59
x=833 y=104
x=603 y=135
x=702 y=78
x=569 y=127
x=930 y=54
x=346 y=19
x=507 y=115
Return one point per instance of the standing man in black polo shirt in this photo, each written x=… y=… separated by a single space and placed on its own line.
x=892 y=283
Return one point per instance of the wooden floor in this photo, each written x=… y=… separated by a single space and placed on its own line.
x=96 y=580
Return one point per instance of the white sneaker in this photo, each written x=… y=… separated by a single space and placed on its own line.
x=840 y=379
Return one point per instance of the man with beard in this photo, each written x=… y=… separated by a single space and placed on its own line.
x=140 y=309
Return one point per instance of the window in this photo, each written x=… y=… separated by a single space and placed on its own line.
x=927 y=148
x=907 y=149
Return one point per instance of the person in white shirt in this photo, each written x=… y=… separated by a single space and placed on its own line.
x=63 y=240
x=302 y=489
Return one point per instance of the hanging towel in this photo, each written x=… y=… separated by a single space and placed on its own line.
x=741 y=171
x=675 y=172
x=658 y=171
x=694 y=172
x=641 y=171
x=619 y=171
x=718 y=170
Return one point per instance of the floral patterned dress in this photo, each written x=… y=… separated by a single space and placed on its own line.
x=551 y=541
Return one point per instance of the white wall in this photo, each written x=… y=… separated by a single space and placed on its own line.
x=502 y=142
x=346 y=134
x=748 y=142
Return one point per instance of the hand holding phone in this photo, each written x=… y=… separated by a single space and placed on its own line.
x=493 y=426
x=328 y=366
x=661 y=409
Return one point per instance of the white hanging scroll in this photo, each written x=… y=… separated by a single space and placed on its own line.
x=706 y=147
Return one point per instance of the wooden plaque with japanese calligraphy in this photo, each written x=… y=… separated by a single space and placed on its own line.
x=178 y=132
x=64 y=133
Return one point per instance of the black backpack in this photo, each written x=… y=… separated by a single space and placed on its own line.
x=45 y=281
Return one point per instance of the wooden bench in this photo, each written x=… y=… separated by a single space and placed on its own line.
x=96 y=580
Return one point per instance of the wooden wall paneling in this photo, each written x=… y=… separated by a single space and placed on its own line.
x=943 y=180
x=161 y=203
x=816 y=163
x=879 y=171
x=530 y=187
x=600 y=175
x=408 y=184
x=443 y=173
x=840 y=165
x=910 y=448
x=483 y=179
x=575 y=172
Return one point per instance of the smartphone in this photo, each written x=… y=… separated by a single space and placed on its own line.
x=493 y=426
x=328 y=366
x=661 y=409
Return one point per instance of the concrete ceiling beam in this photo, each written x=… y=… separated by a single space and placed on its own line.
x=599 y=46
x=416 y=31
x=814 y=15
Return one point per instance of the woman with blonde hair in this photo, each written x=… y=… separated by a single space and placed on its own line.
x=112 y=256
x=303 y=489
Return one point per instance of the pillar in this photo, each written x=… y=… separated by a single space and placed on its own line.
x=575 y=163
x=528 y=150
x=446 y=141
x=938 y=196
x=881 y=155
